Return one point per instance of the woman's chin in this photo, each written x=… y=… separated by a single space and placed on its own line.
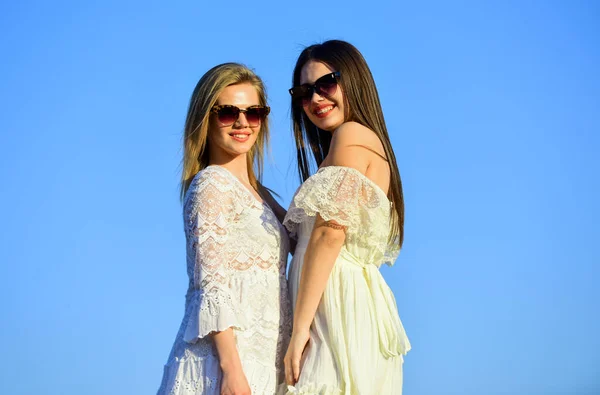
x=329 y=124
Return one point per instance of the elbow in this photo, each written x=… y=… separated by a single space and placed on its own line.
x=331 y=238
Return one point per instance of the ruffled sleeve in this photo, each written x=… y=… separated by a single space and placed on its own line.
x=211 y=209
x=345 y=195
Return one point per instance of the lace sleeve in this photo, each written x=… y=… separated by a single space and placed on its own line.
x=211 y=211
x=347 y=196
x=336 y=193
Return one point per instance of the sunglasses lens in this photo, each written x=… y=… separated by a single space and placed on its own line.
x=301 y=93
x=254 y=116
x=228 y=115
x=326 y=85
x=307 y=96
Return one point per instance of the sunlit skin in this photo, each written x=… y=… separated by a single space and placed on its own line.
x=327 y=238
x=352 y=145
x=326 y=112
x=228 y=147
x=227 y=143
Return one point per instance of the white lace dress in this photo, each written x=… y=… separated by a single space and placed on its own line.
x=236 y=258
x=356 y=339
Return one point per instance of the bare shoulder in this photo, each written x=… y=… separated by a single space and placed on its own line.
x=353 y=133
x=355 y=143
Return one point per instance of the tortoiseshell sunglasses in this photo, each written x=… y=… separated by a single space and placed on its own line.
x=228 y=114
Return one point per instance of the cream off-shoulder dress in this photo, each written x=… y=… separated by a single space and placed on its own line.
x=236 y=259
x=357 y=340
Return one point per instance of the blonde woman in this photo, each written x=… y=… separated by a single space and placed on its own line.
x=237 y=318
x=348 y=218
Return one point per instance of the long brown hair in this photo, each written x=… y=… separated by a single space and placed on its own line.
x=362 y=105
x=195 y=136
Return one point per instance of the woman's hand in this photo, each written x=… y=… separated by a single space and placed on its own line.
x=293 y=356
x=234 y=380
x=235 y=383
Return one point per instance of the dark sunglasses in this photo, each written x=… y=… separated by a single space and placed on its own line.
x=228 y=114
x=324 y=86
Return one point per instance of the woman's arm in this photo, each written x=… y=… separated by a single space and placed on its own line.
x=324 y=246
x=211 y=209
x=326 y=241
x=234 y=380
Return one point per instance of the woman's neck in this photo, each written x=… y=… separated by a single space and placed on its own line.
x=238 y=166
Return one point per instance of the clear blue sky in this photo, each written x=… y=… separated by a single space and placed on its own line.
x=494 y=115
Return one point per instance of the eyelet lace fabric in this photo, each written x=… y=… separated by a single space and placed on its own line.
x=236 y=259
x=357 y=341
x=351 y=199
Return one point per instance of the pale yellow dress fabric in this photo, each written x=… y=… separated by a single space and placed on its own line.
x=357 y=340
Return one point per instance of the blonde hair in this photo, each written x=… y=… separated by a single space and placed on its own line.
x=195 y=136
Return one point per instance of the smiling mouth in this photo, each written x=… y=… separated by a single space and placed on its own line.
x=323 y=111
x=240 y=136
